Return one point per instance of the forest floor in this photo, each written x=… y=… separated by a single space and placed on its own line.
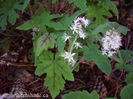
x=17 y=69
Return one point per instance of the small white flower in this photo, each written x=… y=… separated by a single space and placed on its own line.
x=77 y=45
x=66 y=37
x=64 y=55
x=82 y=35
x=85 y=21
x=82 y=20
x=75 y=27
x=69 y=56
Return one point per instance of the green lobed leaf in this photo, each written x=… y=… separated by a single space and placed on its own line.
x=44 y=42
x=97 y=12
x=127 y=92
x=7 y=10
x=40 y=21
x=123 y=59
x=81 y=95
x=56 y=69
x=45 y=19
x=108 y=5
x=92 y=53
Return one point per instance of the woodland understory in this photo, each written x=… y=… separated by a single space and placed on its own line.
x=17 y=68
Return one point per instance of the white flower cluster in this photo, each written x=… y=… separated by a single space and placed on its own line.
x=111 y=42
x=76 y=27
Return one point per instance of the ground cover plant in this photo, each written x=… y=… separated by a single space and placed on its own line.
x=63 y=43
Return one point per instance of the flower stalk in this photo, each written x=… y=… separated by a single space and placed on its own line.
x=72 y=46
x=77 y=32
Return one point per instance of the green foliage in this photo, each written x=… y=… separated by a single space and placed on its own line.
x=44 y=42
x=45 y=60
x=100 y=10
x=56 y=69
x=79 y=3
x=123 y=59
x=129 y=78
x=92 y=53
x=108 y=5
x=45 y=19
x=97 y=12
x=48 y=59
x=7 y=11
x=26 y=2
x=81 y=95
x=127 y=92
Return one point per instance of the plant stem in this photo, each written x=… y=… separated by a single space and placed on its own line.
x=72 y=46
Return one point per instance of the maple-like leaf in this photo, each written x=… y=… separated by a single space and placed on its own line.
x=98 y=13
x=109 y=5
x=123 y=59
x=7 y=11
x=46 y=19
x=56 y=69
